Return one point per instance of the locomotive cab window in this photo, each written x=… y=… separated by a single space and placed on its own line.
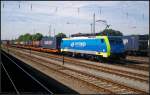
x=102 y=40
x=111 y=41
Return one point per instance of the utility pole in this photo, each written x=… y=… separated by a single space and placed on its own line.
x=91 y=28
x=94 y=24
x=34 y=31
x=54 y=32
x=49 y=30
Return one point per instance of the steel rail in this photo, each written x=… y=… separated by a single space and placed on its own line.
x=60 y=67
x=133 y=66
x=10 y=79
x=29 y=75
x=122 y=73
x=129 y=88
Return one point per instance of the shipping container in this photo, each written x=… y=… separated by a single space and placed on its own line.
x=136 y=43
x=36 y=43
x=50 y=42
x=22 y=43
x=4 y=42
x=131 y=43
x=28 y=43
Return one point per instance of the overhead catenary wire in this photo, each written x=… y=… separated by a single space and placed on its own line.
x=78 y=8
x=99 y=9
x=55 y=7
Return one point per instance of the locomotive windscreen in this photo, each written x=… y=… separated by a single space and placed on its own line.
x=115 y=40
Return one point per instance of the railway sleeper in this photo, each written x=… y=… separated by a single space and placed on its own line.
x=124 y=91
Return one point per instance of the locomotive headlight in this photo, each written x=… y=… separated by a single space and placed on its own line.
x=103 y=50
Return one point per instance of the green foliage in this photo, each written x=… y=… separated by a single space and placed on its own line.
x=61 y=35
x=111 y=32
x=29 y=37
x=37 y=37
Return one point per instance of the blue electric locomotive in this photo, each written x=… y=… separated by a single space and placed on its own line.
x=103 y=46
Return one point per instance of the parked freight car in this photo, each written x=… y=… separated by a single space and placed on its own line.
x=136 y=44
x=4 y=42
x=52 y=44
x=28 y=43
x=48 y=42
x=36 y=43
x=7 y=42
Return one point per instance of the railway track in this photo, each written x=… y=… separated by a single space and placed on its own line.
x=121 y=73
x=126 y=74
x=104 y=85
x=15 y=74
x=137 y=65
x=144 y=60
x=133 y=65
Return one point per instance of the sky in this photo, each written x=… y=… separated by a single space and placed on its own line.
x=70 y=17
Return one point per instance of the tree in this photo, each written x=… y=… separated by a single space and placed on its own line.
x=29 y=37
x=61 y=35
x=37 y=37
x=20 y=38
x=111 y=32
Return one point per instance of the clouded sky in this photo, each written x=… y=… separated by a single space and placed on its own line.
x=69 y=17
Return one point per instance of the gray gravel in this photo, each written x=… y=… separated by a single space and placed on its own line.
x=129 y=82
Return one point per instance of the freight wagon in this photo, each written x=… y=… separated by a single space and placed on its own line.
x=136 y=44
x=50 y=44
x=4 y=42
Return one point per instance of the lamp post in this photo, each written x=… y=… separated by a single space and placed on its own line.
x=94 y=23
x=69 y=23
x=49 y=30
